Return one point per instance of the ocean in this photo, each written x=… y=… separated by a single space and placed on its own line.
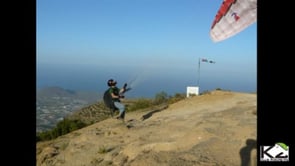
x=144 y=84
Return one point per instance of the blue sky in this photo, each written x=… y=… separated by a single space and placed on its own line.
x=159 y=40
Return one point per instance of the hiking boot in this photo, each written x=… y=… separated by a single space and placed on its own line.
x=120 y=118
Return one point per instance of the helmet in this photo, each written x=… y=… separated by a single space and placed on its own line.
x=111 y=82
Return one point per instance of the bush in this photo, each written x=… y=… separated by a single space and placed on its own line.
x=177 y=97
x=63 y=127
x=140 y=104
x=160 y=98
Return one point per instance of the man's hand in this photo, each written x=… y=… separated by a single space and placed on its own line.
x=125 y=86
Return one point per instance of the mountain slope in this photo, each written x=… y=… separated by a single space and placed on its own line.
x=218 y=128
x=55 y=103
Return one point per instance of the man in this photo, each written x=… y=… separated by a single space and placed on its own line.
x=116 y=94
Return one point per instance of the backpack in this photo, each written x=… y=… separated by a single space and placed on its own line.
x=107 y=98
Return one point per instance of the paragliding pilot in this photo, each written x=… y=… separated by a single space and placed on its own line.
x=116 y=94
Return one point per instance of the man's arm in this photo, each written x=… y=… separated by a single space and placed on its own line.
x=123 y=89
x=114 y=96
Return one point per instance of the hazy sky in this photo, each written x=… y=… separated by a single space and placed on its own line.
x=164 y=38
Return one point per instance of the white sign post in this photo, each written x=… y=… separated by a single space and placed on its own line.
x=192 y=90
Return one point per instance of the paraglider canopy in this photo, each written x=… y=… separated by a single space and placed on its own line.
x=232 y=17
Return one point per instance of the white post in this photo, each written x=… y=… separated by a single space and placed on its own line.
x=199 y=67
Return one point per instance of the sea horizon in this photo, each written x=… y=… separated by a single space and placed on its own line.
x=144 y=83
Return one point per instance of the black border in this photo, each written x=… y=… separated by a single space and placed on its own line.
x=275 y=88
x=21 y=83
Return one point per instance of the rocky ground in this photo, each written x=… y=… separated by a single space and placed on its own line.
x=217 y=128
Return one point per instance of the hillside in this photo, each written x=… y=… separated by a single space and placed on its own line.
x=54 y=103
x=217 y=128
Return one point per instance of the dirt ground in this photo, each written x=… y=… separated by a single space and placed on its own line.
x=214 y=129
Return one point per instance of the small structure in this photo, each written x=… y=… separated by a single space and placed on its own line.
x=192 y=90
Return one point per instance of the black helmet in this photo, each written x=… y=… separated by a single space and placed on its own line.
x=111 y=82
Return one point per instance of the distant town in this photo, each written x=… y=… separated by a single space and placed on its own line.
x=53 y=107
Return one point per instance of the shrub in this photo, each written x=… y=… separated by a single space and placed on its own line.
x=177 y=97
x=161 y=98
x=140 y=104
x=63 y=127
